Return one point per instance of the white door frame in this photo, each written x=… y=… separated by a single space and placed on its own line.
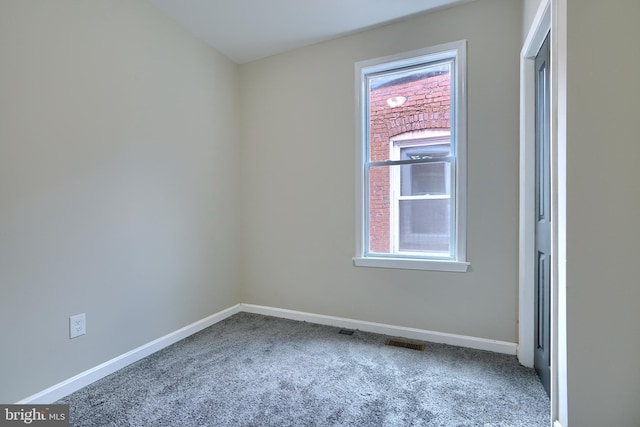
x=550 y=16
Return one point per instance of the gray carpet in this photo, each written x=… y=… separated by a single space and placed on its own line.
x=253 y=370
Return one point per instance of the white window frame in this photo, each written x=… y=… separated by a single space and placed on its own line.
x=458 y=133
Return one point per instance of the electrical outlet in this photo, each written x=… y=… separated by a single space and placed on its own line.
x=77 y=325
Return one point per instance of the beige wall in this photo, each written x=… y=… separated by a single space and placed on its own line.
x=529 y=9
x=298 y=137
x=603 y=208
x=118 y=184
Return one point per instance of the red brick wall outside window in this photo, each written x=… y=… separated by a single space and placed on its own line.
x=427 y=106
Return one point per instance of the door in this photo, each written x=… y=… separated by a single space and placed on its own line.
x=542 y=333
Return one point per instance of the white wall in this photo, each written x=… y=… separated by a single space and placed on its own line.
x=603 y=208
x=298 y=170
x=118 y=184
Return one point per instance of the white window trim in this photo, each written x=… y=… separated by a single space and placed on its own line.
x=412 y=264
x=458 y=131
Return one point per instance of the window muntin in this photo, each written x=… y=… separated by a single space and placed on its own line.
x=412 y=181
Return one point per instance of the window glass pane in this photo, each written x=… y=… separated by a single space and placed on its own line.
x=419 y=224
x=421 y=152
x=408 y=100
x=424 y=225
x=424 y=179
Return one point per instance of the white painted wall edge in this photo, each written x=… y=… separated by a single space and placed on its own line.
x=89 y=376
x=381 y=328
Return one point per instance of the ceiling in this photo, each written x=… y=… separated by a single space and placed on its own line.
x=246 y=30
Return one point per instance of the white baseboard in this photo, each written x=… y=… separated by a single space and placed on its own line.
x=381 y=328
x=556 y=423
x=89 y=376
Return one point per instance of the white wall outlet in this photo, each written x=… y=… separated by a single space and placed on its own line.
x=77 y=325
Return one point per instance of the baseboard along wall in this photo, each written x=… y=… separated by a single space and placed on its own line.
x=381 y=328
x=89 y=376
x=83 y=379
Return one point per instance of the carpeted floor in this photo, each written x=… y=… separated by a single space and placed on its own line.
x=253 y=370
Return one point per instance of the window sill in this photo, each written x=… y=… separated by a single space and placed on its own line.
x=412 y=264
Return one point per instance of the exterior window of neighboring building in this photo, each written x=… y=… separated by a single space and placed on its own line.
x=420 y=205
x=412 y=160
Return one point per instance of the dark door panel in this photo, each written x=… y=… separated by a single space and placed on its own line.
x=542 y=354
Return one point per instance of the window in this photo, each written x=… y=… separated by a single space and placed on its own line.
x=412 y=160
